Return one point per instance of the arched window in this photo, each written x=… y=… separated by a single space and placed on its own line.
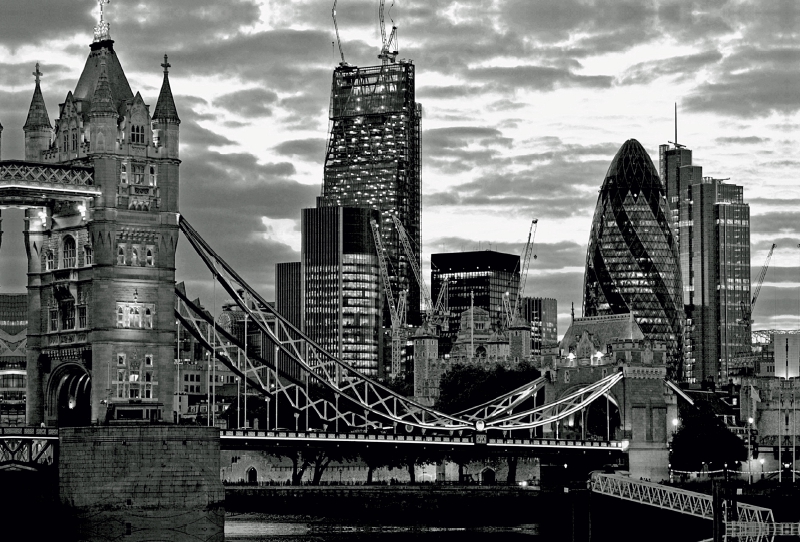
x=70 y=252
x=148 y=319
x=121 y=255
x=136 y=318
x=137 y=134
x=49 y=260
x=152 y=175
x=120 y=317
x=88 y=255
x=149 y=261
x=134 y=257
x=123 y=175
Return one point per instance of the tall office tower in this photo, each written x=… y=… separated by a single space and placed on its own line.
x=341 y=284
x=288 y=303
x=373 y=160
x=542 y=313
x=632 y=258
x=479 y=279
x=713 y=225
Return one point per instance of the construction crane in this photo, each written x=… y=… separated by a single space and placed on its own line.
x=398 y=311
x=338 y=41
x=434 y=313
x=747 y=309
x=388 y=46
x=525 y=260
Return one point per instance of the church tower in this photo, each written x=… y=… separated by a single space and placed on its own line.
x=102 y=267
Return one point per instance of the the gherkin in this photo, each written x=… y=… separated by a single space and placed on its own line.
x=632 y=259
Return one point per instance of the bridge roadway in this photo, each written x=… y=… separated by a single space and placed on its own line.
x=232 y=439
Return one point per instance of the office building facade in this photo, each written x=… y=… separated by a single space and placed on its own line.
x=713 y=233
x=474 y=279
x=632 y=258
x=542 y=314
x=373 y=160
x=341 y=285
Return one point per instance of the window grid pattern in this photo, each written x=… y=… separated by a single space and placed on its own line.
x=632 y=258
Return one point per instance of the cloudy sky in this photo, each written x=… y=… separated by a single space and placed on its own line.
x=525 y=103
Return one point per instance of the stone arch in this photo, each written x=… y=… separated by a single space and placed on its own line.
x=252 y=475
x=69 y=252
x=69 y=392
x=488 y=476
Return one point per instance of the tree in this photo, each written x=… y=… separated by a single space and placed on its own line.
x=464 y=386
x=703 y=438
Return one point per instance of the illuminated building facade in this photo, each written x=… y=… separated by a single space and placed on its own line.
x=632 y=258
x=478 y=279
x=373 y=159
x=712 y=223
x=542 y=313
x=13 y=352
x=341 y=284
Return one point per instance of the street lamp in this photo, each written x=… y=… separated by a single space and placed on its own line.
x=762 y=467
x=749 y=449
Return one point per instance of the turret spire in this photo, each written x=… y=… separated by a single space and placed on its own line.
x=102 y=28
x=103 y=99
x=37 y=114
x=165 y=106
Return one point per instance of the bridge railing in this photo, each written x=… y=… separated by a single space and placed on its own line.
x=670 y=498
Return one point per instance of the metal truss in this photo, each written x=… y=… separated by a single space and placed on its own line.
x=26 y=448
x=504 y=404
x=551 y=412
x=670 y=498
x=316 y=364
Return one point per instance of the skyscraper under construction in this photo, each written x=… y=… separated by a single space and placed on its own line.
x=372 y=159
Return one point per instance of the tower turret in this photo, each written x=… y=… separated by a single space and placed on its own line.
x=38 y=130
x=103 y=115
x=519 y=339
x=165 y=118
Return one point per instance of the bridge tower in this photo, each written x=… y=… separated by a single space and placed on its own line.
x=101 y=261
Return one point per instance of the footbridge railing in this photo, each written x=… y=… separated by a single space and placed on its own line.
x=671 y=498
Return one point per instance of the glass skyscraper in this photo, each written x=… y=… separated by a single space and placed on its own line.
x=712 y=223
x=632 y=258
x=373 y=161
x=341 y=288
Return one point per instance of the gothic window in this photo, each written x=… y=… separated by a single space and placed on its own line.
x=135 y=318
x=123 y=175
x=149 y=258
x=152 y=176
x=65 y=147
x=74 y=141
x=49 y=260
x=135 y=256
x=88 y=255
x=69 y=252
x=53 y=320
x=120 y=317
x=121 y=359
x=137 y=134
x=82 y=317
x=148 y=320
x=138 y=173
x=121 y=384
x=148 y=358
x=68 y=315
x=121 y=255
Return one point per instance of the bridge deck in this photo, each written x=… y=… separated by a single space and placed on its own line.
x=34 y=433
x=231 y=437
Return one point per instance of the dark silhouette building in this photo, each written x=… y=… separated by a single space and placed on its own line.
x=542 y=313
x=486 y=276
x=712 y=229
x=632 y=258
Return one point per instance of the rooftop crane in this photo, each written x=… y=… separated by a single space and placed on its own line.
x=398 y=311
x=525 y=260
x=338 y=41
x=387 y=54
x=747 y=310
x=434 y=314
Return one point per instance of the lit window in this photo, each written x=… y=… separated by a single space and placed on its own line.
x=134 y=257
x=123 y=176
x=152 y=178
x=121 y=359
x=149 y=258
x=120 y=317
x=148 y=359
x=121 y=255
x=138 y=173
x=148 y=321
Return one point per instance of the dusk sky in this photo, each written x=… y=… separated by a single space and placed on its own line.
x=525 y=103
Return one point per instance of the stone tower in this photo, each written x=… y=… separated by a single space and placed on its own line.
x=102 y=268
x=427 y=366
x=519 y=339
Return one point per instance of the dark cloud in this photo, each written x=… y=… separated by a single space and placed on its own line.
x=312 y=149
x=252 y=102
x=775 y=222
x=49 y=20
x=745 y=140
x=682 y=66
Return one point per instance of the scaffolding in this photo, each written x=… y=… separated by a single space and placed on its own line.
x=372 y=159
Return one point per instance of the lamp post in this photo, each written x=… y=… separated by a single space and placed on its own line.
x=762 y=467
x=749 y=449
